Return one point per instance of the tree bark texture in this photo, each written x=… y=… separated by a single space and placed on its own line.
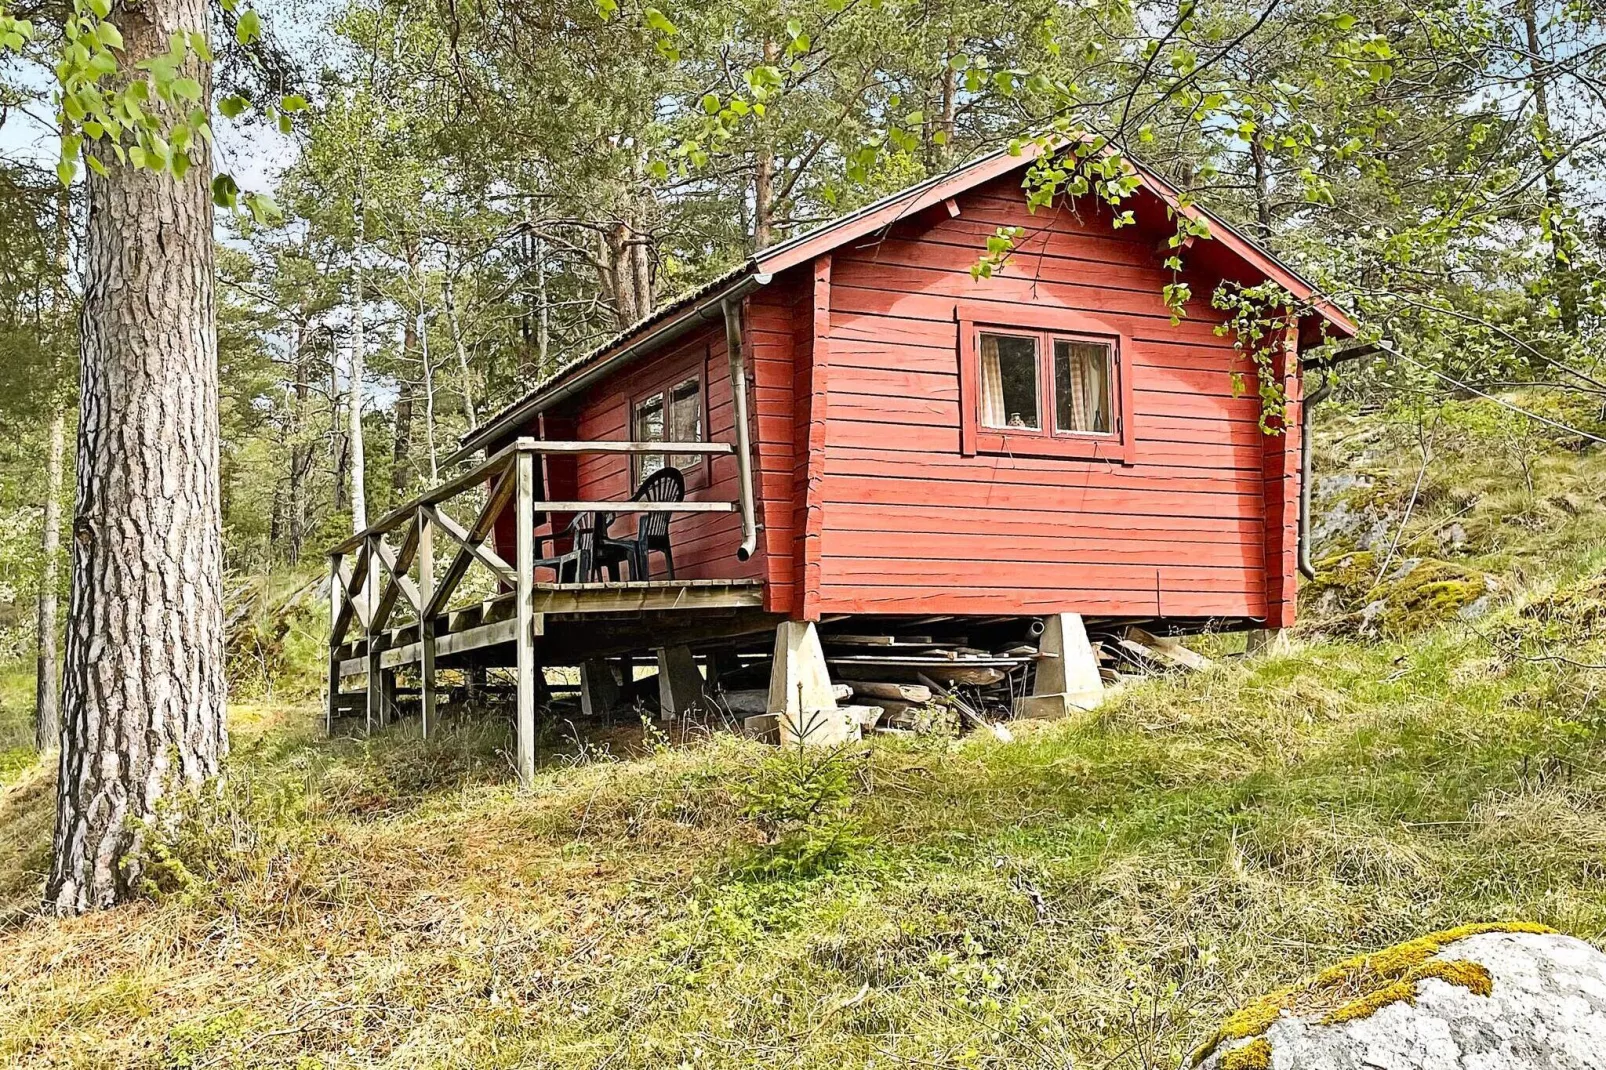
x=402 y=451
x=300 y=448
x=47 y=685
x=763 y=199
x=144 y=685
x=764 y=177
x=627 y=274
x=449 y=303
x=1262 y=165
x=338 y=452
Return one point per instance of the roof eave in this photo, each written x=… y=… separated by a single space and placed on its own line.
x=645 y=338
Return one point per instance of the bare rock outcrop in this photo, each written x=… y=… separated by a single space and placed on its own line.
x=1483 y=997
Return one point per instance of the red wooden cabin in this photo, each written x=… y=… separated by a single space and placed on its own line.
x=881 y=486
x=925 y=443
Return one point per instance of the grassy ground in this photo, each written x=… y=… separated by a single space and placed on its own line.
x=1098 y=893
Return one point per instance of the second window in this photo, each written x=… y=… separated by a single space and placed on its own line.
x=671 y=415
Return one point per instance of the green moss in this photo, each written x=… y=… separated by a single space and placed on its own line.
x=1256 y=1055
x=1360 y=986
x=1469 y=975
x=1413 y=595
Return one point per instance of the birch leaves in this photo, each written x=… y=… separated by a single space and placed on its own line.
x=153 y=114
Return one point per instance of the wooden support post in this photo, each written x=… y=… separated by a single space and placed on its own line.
x=722 y=662
x=387 y=696
x=680 y=685
x=599 y=689
x=429 y=719
x=337 y=597
x=524 y=611
x=374 y=714
x=1068 y=672
x=800 y=689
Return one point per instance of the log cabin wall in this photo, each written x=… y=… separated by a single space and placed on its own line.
x=704 y=544
x=909 y=523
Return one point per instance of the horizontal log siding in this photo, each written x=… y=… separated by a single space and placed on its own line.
x=910 y=525
x=771 y=323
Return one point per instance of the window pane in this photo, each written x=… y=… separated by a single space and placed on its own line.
x=1082 y=386
x=649 y=427
x=686 y=420
x=1009 y=382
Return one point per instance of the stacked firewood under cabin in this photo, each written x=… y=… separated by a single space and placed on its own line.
x=908 y=677
x=923 y=682
x=934 y=674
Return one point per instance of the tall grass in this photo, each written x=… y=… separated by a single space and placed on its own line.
x=1100 y=893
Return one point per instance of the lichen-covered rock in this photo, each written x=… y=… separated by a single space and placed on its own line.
x=1349 y=597
x=1486 y=997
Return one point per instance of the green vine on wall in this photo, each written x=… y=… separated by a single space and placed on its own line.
x=1259 y=319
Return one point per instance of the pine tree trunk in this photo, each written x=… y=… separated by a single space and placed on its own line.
x=402 y=451
x=300 y=448
x=47 y=686
x=764 y=177
x=429 y=393
x=338 y=452
x=948 y=123
x=449 y=302
x=1262 y=167
x=543 y=323
x=621 y=274
x=144 y=684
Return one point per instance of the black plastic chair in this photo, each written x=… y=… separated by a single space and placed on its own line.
x=582 y=563
x=652 y=529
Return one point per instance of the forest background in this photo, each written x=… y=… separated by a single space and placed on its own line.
x=470 y=194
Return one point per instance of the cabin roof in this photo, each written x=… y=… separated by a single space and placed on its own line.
x=700 y=305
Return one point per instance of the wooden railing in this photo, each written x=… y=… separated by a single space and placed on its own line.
x=370 y=576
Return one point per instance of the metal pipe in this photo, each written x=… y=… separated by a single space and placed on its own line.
x=744 y=452
x=1306 y=567
x=1311 y=401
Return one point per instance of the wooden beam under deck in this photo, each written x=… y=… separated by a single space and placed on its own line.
x=491 y=623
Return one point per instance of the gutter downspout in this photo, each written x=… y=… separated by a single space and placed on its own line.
x=744 y=452
x=1306 y=567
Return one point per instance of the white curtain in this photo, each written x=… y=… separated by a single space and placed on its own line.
x=1083 y=373
x=992 y=384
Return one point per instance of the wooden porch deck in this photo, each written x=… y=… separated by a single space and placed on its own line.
x=527 y=623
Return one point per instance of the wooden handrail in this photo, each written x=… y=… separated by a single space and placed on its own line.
x=499 y=461
x=634 y=507
x=541 y=446
x=369 y=576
